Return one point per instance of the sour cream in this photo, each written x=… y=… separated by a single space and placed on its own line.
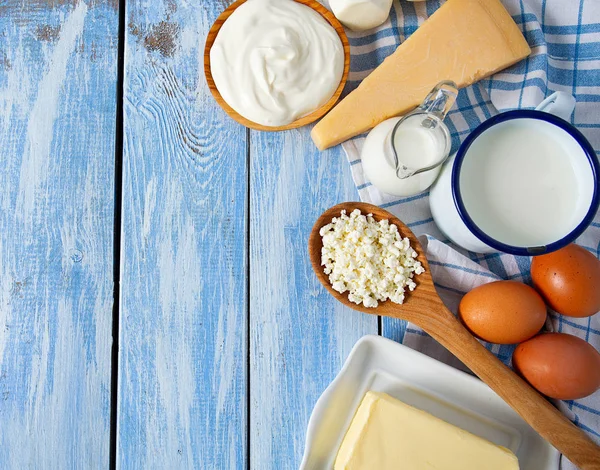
x=275 y=61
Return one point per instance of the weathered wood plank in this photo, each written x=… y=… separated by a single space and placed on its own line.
x=182 y=366
x=299 y=335
x=58 y=78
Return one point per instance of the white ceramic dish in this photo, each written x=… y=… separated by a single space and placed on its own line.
x=379 y=364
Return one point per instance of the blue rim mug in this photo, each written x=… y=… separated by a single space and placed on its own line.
x=447 y=197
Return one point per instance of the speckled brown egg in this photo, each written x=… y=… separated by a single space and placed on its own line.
x=559 y=365
x=503 y=312
x=569 y=280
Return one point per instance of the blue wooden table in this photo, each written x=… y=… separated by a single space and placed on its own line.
x=157 y=306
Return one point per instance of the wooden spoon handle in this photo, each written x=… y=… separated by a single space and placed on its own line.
x=548 y=421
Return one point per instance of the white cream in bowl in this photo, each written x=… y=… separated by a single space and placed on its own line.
x=275 y=61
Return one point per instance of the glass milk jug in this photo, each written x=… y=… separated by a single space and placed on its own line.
x=403 y=156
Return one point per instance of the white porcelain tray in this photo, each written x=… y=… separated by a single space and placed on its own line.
x=379 y=364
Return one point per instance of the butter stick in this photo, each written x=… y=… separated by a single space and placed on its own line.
x=387 y=434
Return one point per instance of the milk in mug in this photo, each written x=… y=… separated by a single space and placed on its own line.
x=524 y=182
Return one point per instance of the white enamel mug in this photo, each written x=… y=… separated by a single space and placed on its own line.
x=458 y=198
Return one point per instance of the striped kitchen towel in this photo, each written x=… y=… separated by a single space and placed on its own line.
x=564 y=37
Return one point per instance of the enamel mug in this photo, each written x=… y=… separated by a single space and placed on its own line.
x=524 y=182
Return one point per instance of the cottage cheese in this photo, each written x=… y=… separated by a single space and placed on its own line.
x=368 y=259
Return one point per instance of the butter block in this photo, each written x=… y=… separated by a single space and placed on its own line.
x=463 y=41
x=386 y=434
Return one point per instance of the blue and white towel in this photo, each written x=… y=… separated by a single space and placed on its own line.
x=564 y=37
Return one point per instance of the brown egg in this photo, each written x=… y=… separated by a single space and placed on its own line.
x=503 y=312
x=569 y=280
x=559 y=365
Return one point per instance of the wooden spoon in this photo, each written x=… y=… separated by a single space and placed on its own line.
x=424 y=308
x=212 y=34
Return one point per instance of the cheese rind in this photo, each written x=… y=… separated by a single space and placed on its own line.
x=463 y=41
x=387 y=434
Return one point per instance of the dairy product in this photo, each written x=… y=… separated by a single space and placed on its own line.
x=525 y=182
x=463 y=41
x=418 y=148
x=368 y=259
x=416 y=145
x=361 y=15
x=386 y=434
x=275 y=61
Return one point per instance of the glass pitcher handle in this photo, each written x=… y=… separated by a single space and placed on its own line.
x=439 y=101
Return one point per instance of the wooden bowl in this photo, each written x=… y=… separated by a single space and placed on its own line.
x=329 y=17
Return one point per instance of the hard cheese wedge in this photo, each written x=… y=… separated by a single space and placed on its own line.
x=463 y=41
x=387 y=434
